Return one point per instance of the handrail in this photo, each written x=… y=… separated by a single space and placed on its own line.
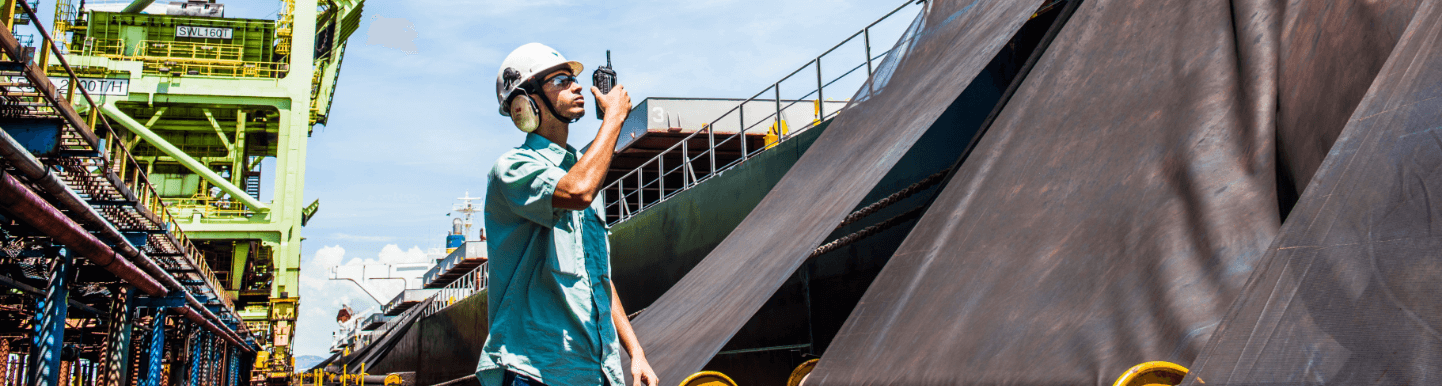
x=624 y=194
x=460 y=289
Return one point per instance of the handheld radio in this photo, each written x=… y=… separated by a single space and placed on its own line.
x=604 y=78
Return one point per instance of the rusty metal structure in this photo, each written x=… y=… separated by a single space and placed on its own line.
x=141 y=253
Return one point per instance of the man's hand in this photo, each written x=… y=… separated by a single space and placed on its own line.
x=616 y=104
x=641 y=373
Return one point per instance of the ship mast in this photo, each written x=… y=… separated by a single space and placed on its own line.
x=468 y=209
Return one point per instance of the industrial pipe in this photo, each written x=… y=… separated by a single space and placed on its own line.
x=180 y=156
x=225 y=330
x=33 y=210
x=194 y=317
x=32 y=169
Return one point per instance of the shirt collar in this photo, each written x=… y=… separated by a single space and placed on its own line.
x=553 y=152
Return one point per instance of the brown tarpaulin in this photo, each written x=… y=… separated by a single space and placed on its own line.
x=1351 y=291
x=950 y=44
x=1120 y=202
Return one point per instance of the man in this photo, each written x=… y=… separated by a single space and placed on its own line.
x=554 y=315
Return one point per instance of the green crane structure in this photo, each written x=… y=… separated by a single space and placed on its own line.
x=208 y=99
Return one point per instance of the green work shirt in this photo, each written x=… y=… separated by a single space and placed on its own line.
x=549 y=298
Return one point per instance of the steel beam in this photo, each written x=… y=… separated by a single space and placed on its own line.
x=233 y=369
x=116 y=360
x=218 y=132
x=137 y=6
x=184 y=159
x=237 y=152
x=153 y=355
x=50 y=324
x=197 y=352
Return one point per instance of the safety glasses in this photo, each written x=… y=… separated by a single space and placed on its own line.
x=561 y=81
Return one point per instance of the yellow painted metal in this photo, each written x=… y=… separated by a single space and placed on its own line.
x=188 y=50
x=180 y=58
x=207 y=206
x=775 y=134
x=285 y=27
x=7 y=13
x=1156 y=373
x=708 y=378
x=801 y=371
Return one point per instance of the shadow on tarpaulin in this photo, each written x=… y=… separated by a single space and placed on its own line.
x=1167 y=168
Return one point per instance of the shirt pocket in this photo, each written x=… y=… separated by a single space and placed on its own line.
x=566 y=257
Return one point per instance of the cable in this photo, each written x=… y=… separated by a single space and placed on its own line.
x=927 y=182
x=864 y=233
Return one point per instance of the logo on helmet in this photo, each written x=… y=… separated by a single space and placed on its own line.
x=511 y=77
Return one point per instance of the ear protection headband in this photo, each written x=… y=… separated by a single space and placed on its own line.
x=524 y=112
x=527 y=116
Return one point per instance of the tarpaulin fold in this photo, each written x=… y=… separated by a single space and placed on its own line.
x=1121 y=200
x=945 y=49
x=1351 y=291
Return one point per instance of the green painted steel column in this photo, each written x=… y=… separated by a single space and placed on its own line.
x=184 y=159
x=137 y=6
x=237 y=150
x=238 y=255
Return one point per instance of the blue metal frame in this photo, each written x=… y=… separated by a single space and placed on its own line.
x=152 y=369
x=233 y=373
x=50 y=324
x=117 y=364
x=196 y=350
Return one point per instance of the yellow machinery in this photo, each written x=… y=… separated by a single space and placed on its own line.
x=1156 y=373
x=708 y=378
x=801 y=371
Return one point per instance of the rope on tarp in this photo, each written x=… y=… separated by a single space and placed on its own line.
x=894 y=198
x=864 y=233
x=862 y=213
x=859 y=214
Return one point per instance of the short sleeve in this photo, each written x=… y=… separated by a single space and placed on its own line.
x=527 y=184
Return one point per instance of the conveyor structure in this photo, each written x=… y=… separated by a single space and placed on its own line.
x=132 y=153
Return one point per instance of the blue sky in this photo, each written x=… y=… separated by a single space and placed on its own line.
x=409 y=133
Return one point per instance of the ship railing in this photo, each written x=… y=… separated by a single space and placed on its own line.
x=647 y=184
x=464 y=287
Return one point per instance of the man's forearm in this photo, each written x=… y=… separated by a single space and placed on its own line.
x=623 y=327
x=579 y=186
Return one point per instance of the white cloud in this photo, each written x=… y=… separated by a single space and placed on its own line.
x=393 y=254
x=315 y=273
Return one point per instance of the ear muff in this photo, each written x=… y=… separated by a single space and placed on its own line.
x=524 y=112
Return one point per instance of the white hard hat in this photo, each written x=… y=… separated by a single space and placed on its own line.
x=524 y=64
